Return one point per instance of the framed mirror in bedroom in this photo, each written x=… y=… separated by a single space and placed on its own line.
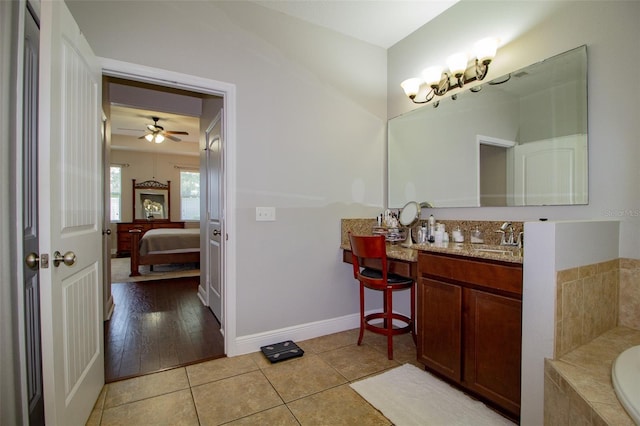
x=151 y=201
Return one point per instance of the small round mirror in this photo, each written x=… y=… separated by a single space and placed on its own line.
x=410 y=214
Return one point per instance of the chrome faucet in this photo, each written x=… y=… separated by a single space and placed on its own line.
x=508 y=237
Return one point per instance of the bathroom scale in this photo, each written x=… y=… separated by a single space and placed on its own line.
x=281 y=351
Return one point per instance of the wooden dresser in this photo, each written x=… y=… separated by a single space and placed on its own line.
x=124 y=237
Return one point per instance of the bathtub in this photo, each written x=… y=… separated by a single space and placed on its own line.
x=625 y=375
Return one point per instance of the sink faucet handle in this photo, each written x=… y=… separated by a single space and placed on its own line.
x=520 y=239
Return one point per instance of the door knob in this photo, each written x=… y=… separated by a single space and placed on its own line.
x=106 y=231
x=216 y=232
x=69 y=258
x=32 y=260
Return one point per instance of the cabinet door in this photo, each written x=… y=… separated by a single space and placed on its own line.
x=439 y=322
x=493 y=331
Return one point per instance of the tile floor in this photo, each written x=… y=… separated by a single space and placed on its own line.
x=249 y=390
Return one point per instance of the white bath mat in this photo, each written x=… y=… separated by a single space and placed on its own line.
x=409 y=396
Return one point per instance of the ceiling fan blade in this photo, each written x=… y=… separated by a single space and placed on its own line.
x=173 y=138
x=171 y=132
x=142 y=137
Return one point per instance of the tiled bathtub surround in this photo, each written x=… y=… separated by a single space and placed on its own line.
x=597 y=318
x=577 y=387
x=586 y=304
x=629 y=293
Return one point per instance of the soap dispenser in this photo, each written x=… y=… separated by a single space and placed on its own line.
x=476 y=236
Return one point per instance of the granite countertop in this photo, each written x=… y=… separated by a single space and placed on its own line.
x=501 y=253
x=396 y=251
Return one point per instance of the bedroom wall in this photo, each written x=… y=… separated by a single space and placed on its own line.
x=149 y=166
x=311 y=119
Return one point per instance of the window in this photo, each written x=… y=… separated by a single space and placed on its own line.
x=189 y=195
x=116 y=193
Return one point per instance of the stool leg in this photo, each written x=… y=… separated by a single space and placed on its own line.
x=361 y=313
x=388 y=297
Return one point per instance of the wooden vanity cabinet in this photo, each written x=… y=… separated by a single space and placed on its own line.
x=469 y=324
x=439 y=324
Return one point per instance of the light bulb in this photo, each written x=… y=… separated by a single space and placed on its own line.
x=411 y=86
x=486 y=49
x=159 y=138
x=149 y=137
x=458 y=63
x=432 y=76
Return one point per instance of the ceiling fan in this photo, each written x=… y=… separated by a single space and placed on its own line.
x=157 y=134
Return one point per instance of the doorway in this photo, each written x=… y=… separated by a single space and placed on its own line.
x=192 y=291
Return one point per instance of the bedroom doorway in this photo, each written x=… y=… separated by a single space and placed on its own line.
x=177 y=303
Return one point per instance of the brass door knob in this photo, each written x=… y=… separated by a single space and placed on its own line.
x=69 y=258
x=32 y=260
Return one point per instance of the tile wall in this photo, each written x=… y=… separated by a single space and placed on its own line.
x=629 y=311
x=586 y=304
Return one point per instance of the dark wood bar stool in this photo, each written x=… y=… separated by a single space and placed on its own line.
x=373 y=248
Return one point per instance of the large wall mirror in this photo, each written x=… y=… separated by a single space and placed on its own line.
x=151 y=200
x=517 y=140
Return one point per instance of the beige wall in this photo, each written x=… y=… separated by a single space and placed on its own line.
x=309 y=140
x=149 y=166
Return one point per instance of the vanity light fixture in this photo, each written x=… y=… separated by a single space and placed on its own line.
x=154 y=137
x=439 y=81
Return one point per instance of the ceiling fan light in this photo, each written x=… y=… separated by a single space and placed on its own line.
x=159 y=138
x=149 y=137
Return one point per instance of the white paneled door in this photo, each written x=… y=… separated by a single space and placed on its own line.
x=215 y=223
x=564 y=181
x=70 y=191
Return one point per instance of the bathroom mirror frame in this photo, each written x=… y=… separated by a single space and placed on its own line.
x=156 y=192
x=448 y=155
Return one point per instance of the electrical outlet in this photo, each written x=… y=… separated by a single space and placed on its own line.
x=264 y=214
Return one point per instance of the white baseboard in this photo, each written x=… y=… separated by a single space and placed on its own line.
x=253 y=342
x=202 y=295
x=110 y=307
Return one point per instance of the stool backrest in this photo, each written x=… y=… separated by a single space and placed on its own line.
x=368 y=247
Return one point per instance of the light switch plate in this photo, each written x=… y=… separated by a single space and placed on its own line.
x=265 y=214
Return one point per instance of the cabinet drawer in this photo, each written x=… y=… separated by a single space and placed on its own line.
x=497 y=276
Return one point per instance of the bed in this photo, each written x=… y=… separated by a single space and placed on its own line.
x=164 y=246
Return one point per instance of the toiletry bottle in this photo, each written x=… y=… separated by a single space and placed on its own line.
x=432 y=228
x=423 y=234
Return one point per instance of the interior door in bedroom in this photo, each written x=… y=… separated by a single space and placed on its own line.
x=215 y=213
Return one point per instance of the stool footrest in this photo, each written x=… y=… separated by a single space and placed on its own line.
x=380 y=329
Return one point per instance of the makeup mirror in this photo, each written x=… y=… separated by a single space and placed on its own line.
x=409 y=216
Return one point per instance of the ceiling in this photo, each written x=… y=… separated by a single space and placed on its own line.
x=379 y=22
x=129 y=121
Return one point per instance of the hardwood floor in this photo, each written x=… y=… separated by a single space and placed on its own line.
x=158 y=325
